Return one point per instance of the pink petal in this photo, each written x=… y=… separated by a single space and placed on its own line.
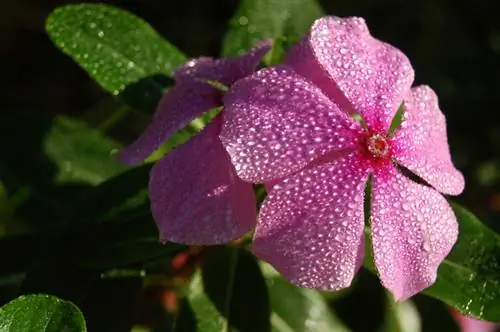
x=362 y=74
x=181 y=104
x=190 y=97
x=224 y=70
x=422 y=143
x=469 y=324
x=413 y=230
x=196 y=197
x=276 y=122
x=311 y=225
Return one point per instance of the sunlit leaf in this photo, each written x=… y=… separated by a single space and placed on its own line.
x=41 y=313
x=122 y=52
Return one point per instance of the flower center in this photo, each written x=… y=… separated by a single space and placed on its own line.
x=378 y=146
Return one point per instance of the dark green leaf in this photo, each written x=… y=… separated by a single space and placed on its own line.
x=53 y=160
x=123 y=53
x=82 y=154
x=41 y=313
x=469 y=278
x=230 y=293
x=126 y=252
x=296 y=309
x=256 y=20
x=208 y=317
x=119 y=195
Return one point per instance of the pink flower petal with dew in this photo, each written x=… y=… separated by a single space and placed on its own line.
x=223 y=70
x=362 y=74
x=276 y=122
x=311 y=225
x=421 y=142
x=413 y=230
x=190 y=97
x=196 y=197
x=182 y=103
x=469 y=324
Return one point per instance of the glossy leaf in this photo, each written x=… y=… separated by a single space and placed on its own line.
x=296 y=309
x=122 y=52
x=257 y=20
x=222 y=298
x=469 y=278
x=41 y=313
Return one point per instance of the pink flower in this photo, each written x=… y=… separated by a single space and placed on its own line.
x=469 y=324
x=290 y=126
x=196 y=197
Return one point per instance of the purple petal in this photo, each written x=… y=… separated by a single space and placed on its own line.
x=413 y=230
x=224 y=70
x=196 y=197
x=422 y=143
x=190 y=97
x=311 y=225
x=362 y=74
x=181 y=104
x=276 y=122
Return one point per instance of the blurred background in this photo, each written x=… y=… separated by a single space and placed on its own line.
x=454 y=47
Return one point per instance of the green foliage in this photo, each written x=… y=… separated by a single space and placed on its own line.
x=119 y=50
x=469 y=278
x=41 y=313
x=253 y=22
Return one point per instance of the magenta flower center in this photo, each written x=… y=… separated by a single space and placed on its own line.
x=377 y=145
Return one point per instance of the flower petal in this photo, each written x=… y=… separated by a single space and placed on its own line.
x=196 y=197
x=224 y=70
x=311 y=225
x=422 y=143
x=181 y=103
x=362 y=74
x=413 y=230
x=190 y=97
x=469 y=324
x=276 y=122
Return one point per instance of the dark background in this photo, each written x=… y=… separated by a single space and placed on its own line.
x=454 y=47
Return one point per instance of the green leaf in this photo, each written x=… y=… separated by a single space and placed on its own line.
x=256 y=20
x=82 y=154
x=122 y=52
x=52 y=161
x=296 y=309
x=121 y=230
x=469 y=278
x=57 y=150
x=118 y=196
x=230 y=293
x=207 y=317
x=400 y=317
x=41 y=313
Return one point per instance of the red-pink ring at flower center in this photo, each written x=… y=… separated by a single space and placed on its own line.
x=378 y=146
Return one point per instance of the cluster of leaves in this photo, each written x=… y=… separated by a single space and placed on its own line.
x=76 y=224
